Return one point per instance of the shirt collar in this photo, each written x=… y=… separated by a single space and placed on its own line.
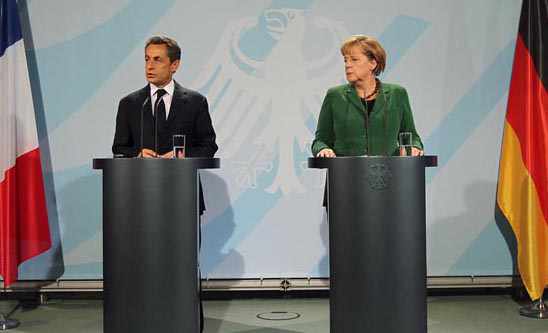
x=169 y=88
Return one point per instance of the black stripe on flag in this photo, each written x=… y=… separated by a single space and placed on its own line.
x=533 y=31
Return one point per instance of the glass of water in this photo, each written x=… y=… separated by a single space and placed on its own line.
x=406 y=143
x=179 y=144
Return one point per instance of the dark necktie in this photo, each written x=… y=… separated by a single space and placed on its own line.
x=159 y=118
x=160 y=109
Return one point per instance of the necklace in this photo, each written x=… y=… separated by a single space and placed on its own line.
x=375 y=91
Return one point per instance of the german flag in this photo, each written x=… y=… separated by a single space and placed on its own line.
x=522 y=193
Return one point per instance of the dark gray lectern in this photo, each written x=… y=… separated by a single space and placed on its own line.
x=377 y=243
x=150 y=244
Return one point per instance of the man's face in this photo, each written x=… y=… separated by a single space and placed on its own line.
x=158 y=68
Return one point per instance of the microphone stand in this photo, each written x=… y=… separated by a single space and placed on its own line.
x=142 y=125
x=156 y=124
x=366 y=114
x=385 y=139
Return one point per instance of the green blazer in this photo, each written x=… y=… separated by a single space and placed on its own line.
x=341 y=125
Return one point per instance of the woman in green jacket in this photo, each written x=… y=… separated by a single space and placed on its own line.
x=365 y=116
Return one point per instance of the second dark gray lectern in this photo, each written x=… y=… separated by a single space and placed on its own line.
x=150 y=244
x=377 y=243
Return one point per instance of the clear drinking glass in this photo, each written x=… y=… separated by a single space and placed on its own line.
x=406 y=143
x=179 y=143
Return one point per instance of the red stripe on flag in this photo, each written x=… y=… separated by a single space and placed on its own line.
x=24 y=229
x=527 y=114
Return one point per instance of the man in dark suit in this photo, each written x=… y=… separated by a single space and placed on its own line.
x=148 y=118
x=179 y=110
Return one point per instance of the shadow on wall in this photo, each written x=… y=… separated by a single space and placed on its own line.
x=81 y=215
x=49 y=265
x=217 y=231
x=323 y=266
x=486 y=251
x=506 y=230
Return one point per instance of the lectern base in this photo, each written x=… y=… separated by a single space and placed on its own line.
x=150 y=244
x=377 y=236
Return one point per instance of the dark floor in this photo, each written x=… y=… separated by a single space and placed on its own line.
x=462 y=314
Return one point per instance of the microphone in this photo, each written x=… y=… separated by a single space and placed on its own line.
x=142 y=123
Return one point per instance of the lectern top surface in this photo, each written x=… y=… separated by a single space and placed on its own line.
x=324 y=162
x=196 y=162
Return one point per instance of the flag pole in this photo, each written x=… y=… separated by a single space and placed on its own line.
x=536 y=310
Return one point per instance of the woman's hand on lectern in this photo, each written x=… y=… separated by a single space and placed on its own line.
x=326 y=153
x=414 y=152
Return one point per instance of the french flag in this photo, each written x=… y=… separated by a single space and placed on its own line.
x=24 y=229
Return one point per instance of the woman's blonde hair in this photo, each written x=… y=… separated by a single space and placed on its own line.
x=370 y=47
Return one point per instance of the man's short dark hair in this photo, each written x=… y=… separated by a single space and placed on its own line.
x=173 y=49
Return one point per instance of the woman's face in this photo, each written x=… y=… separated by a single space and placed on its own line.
x=357 y=66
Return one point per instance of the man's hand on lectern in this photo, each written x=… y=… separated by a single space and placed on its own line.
x=169 y=154
x=148 y=153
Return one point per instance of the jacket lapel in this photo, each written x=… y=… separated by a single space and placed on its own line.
x=353 y=97
x=380 y=103
x=146 y=108
x=143 y=95
x=382 y=99
x=177 y=102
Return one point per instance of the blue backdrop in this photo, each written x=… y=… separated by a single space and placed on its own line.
x=265 y=67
